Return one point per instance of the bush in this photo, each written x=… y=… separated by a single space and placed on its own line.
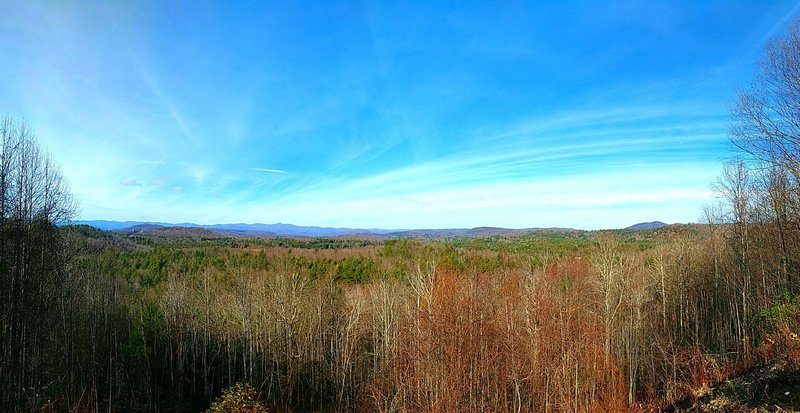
x=239 y=398
x=782 y=322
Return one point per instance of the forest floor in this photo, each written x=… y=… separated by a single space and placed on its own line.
x=774 y=387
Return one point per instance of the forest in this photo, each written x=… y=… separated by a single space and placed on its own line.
x=545 y=321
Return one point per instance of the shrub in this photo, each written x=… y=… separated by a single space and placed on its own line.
x=782 y=322
x=239 y=398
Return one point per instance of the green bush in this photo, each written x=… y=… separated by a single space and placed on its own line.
x=239 y=398
x=786 y=310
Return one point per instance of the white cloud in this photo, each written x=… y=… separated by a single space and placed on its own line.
x=130 y=182
x=274 y=171
x=589 y=202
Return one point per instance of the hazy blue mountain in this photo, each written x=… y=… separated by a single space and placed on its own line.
x=647 y=225
x=293 y=230
x=467 y=232
x=113 y=225
x=289 y=230
x=286 y=230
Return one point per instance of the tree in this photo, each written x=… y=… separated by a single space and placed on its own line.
x=767 y=114
x=766 y=128
x=34 y=198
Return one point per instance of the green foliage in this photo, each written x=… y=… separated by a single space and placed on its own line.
x=646 y=245
x=559 y=243
x=239 y=398
x=246 y=243
x=448 y=258
x=316 y=268
x=481 y=264
x=357 y=269
x=317 y=243
x=402 y=248
x=398 y=272
x=786 y=310
x=565 y=284
x=136 y=349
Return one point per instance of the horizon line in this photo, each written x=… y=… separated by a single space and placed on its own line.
x=178 y=224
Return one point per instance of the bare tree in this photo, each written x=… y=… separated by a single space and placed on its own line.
x=34 y=197
x=611 y=265
x=766 y=127
x=767 y=114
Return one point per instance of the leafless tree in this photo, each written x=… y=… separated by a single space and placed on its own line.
x=34 y=198
x=767 y=114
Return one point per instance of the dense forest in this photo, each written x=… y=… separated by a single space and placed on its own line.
x=543 y=321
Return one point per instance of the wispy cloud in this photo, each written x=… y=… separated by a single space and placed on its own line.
x=168 y=103
x=504 y=124
x=272 y=171
x=130 y=182
x=585 y=201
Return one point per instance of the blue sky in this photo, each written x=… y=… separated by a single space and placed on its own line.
x=378 y=114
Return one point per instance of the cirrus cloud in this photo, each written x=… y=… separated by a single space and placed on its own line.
x=272 y=171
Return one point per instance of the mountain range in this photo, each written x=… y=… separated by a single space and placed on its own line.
x=289 y=230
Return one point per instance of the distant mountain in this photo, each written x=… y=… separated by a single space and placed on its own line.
x=137 y=228
x=468 y=232
x=647 y=225
x=289 y=230
x=246 y=230
x=454 y=232
x=112 y=225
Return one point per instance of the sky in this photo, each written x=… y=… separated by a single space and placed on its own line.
x=385 y=114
